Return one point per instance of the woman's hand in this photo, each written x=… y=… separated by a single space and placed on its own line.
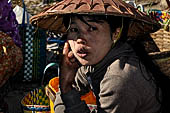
x=68 y=69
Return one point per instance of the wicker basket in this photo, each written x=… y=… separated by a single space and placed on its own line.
x=162 y=39
x=162 y=58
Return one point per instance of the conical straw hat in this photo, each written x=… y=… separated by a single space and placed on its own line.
x=52 y=17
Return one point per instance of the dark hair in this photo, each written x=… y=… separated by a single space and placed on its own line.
x=113 y=21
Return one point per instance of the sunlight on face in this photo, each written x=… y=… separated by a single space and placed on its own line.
x=89 y=40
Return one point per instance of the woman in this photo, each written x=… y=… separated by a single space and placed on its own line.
x=117 y=76
x=98 y=56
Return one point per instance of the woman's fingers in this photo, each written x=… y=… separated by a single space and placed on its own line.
x=65 y=57
x=66 y=48
x=68 y=53
x=68 y=56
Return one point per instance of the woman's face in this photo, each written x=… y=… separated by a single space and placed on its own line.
x=90 y=41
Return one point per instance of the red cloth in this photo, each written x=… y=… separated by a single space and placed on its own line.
x=11 y=58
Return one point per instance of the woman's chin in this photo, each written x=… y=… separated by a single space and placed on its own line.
x=84 y=62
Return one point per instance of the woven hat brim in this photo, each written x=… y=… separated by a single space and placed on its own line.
x=52 y=18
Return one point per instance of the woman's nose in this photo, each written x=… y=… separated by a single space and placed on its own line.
x=82 y=36
x=81 y=41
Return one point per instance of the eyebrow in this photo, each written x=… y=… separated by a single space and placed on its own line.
x=84 y=21
x=95 y=20
x=89 y=20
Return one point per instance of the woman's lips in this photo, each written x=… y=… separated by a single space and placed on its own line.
x=82 y=53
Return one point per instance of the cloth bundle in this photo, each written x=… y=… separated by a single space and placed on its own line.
x=8 y=22
x=10 y=58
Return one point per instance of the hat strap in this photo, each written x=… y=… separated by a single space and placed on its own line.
x=120 y=33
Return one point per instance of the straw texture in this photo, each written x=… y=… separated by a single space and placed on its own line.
x=52 y=18
x=162 y=58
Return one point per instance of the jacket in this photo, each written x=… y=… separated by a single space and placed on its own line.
x=120 y=82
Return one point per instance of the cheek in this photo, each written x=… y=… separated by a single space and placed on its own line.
x=101 y=40
x=101 y=45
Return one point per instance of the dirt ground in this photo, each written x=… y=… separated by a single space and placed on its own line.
x=15 y=92
x=15 y=89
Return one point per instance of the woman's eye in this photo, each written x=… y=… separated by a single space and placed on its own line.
x=73 y=30
x=91 y=28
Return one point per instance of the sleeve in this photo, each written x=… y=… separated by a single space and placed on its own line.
x=119 y=97
x=71 y=102
x=81 y=84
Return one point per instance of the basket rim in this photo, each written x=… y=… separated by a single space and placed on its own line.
x=159 y=55
x=36 y=107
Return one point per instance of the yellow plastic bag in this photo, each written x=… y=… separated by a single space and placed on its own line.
x=52 y=89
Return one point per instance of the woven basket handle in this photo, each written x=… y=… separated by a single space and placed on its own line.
x=49 y=65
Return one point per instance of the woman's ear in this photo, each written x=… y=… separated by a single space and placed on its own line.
x=115 y=35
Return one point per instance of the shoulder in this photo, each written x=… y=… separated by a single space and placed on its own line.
x=128 y=74
x=123 y=67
